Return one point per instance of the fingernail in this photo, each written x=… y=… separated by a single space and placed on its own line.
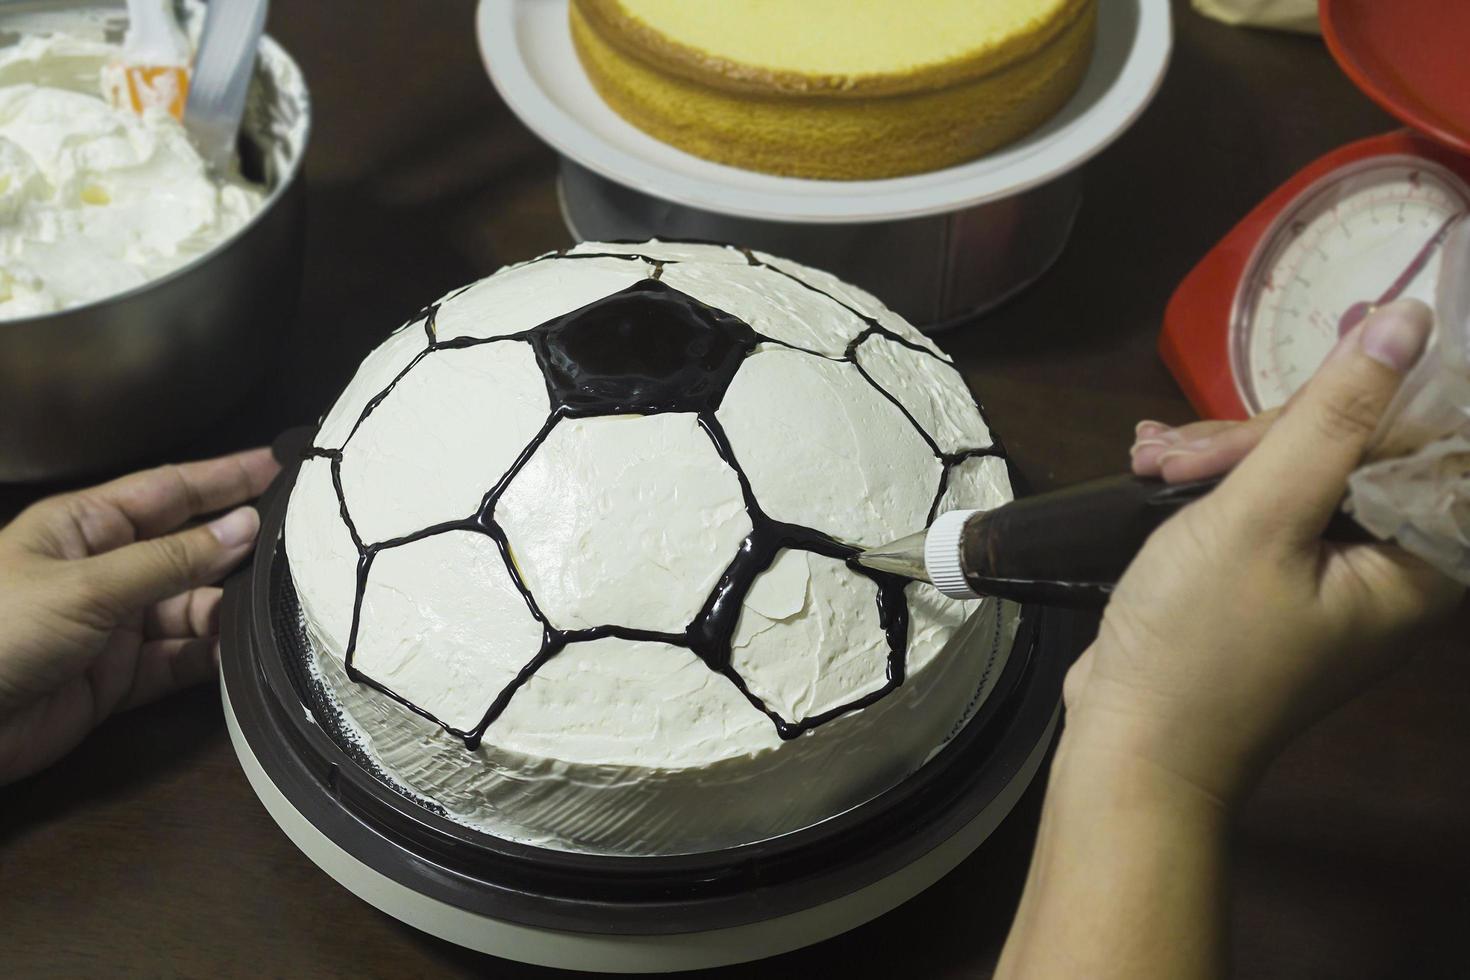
x=1149 y=429
x=1347 y=342
x=1395 y=334
x=1164 y=437
x=1186 y=449
x=1150 y=444
x=1145 y=453
x=1192 y=446
x=236 y=528
x=1164 y=457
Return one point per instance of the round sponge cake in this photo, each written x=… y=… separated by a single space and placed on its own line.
x=835 y=89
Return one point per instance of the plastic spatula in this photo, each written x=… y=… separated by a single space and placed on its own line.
x=153 y=71
x=222 y=72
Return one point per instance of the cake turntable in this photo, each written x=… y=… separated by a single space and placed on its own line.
x=938 y=246
x=613 y=914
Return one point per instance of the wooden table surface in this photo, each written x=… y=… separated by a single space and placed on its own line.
x=145 y=853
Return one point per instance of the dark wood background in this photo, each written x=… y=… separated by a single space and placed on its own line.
x=145 y=853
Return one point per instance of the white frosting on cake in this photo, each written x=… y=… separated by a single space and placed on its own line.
x=570 y=511
x=979 y=483
x=378 y=370
x=823 y=448
x=809 y=639
x=323 y=557
x=855 y=298
x=523 y=296
x=629 y=744
x=462 y=453
x=427 y=612
x=770 y=302
x=942 y=405
x=709 y=771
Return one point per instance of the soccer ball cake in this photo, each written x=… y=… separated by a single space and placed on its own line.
x=573 y=550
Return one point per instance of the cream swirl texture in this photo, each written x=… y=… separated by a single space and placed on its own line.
x=96 y=200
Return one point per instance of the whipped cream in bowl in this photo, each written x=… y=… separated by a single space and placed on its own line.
x=140 y=294
x=96 y=199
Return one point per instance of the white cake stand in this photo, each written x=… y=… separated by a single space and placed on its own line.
x=528 y=51
x=937 y=247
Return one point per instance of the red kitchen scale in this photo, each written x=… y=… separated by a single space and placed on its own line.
x=1357 y=228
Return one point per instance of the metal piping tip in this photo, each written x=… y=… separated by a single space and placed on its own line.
x=904 y=557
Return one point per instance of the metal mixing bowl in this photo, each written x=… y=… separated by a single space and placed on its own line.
x=127 y=377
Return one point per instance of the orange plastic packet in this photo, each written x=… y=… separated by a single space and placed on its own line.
x=153 y=86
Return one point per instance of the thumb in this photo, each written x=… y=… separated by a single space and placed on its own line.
x=137 y=575
x=1296 y=477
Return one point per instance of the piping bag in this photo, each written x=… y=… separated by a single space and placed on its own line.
x=1071 y=546
x=1064 y=548
x=1414 y=487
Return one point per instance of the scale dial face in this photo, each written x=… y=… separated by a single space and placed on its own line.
x=1361 y=236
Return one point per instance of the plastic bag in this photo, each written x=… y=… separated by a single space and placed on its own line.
x=1285 y=15
x=1415 y=487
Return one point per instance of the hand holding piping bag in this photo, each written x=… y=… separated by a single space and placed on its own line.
x=1235 y=629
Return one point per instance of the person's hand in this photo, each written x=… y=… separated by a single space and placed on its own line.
x=105 y=604
x=1198 y=450
x=1237 y=627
